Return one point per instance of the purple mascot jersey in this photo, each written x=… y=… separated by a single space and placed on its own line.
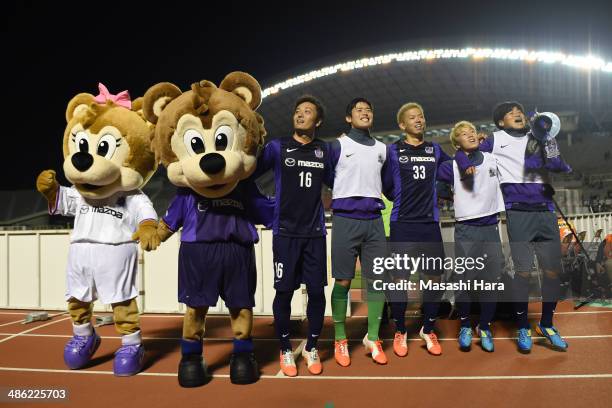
x=217 y=254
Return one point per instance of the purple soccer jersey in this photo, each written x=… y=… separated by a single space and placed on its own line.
x=411 y=177
x=229 y=218
x=299 y=173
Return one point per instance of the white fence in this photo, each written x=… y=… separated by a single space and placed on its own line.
x=32 y=270
x=33 y=264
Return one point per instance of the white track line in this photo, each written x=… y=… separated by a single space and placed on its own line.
x=338 y=377
x=303 y=341
x=22 y=320
x=32 y=329
x=9 y=323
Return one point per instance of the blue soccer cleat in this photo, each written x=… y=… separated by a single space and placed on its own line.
x=486 y=339
x=553 y=336
x=524 y=340
x=465 y=338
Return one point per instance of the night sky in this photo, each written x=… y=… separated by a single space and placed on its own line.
x=54 y=50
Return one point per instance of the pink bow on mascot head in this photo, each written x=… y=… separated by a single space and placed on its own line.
x=121 y=99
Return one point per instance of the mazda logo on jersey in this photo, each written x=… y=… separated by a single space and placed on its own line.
x=101 y=210
x=202 y=206
x=289 y=162
x=429 y=149
x=403 y=159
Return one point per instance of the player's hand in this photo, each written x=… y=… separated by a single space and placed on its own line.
x=47 y=185
x=147 y=235
x=470 y=171
x=163 y=231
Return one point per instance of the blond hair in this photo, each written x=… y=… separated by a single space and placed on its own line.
x=455 y=132
x=406 y=107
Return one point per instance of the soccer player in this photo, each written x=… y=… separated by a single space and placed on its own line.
x=357 y=224
x=413 y=164
x=478 y=201
x=301 y=164
x=524 y=162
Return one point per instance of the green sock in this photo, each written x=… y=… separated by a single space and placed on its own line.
x=376 y=302
x=339 y=303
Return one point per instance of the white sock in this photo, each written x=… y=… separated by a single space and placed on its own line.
x=133 y=339
x=82 y=329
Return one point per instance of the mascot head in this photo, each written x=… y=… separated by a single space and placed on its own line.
x=208 y=136
x=107 y=144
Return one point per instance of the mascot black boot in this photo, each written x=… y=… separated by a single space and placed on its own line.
x=243 y=366
x=192 y=368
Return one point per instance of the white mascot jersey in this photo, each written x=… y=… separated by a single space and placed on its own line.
x=109 y=221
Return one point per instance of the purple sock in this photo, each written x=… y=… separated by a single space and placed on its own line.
x=315 y=311
x=548 y=310
x=520 y=292
x=398 y=313
x=430 y=313
x=487 y=311
x=281 y=307
x=243 y=345
x=464 y=313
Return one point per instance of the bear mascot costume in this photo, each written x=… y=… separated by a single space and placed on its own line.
x=208 y=138
x=107 y=158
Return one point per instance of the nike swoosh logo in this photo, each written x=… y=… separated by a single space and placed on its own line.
x=285 y=335
x=349 y=155
x=432 y=320
x=519 y=313
x=291 y=150
x=402 y=150
x=314 y=335
x=502 y=146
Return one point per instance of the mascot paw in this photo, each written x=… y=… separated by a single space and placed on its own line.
x=147 y=235
x=47 y=185
x=243 y=368
x=192 y=371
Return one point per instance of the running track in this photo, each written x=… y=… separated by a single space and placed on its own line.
x=31 y=356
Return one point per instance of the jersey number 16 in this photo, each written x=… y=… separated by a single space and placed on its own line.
x=305 y=179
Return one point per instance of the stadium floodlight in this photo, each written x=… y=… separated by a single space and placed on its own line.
x=587 y=62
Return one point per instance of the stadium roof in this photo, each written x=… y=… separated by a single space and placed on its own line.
x=451 y=85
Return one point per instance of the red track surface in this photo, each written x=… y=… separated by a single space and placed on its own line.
x=580 y=377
